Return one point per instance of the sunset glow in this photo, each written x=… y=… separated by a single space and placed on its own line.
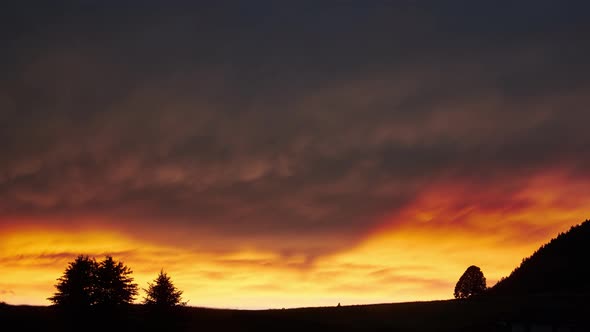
x=409 y=257
x=274 y=157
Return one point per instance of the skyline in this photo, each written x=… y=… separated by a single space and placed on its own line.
x=271 y=156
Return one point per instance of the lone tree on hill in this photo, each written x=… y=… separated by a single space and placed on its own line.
x=163 y=293
x=87 y=283
x=471 y=283
x=76 y=287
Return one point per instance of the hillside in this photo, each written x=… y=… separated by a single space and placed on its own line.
x=482 y=314
x=557 y=267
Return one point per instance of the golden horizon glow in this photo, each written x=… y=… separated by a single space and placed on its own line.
x=369 y=155
x=416 y=255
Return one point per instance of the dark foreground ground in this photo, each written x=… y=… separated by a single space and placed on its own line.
x=543 y=313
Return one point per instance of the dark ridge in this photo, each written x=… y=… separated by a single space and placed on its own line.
x=557 y=267
x=481 y=314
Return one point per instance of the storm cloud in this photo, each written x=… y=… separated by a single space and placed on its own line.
x=278 y=125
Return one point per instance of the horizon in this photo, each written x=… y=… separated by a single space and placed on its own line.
x=260 y=308
x=141 y=293
x=138 y=298
x=294 y=155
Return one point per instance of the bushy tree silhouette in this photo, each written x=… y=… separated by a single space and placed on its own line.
x=471 y=283
x=87 y=282
x=114 y=283
x=163 y=293
x=76 y=287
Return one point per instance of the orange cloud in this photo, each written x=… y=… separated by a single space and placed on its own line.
x=418 y=253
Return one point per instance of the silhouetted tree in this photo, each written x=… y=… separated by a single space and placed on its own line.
x=114 y=284
x=77 y=286
x=163 y=293
x=471 y=283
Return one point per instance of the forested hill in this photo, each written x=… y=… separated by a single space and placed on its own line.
x=559 y=266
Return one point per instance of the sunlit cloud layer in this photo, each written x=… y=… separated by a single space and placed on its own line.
x=271 y=156
x=417 y=254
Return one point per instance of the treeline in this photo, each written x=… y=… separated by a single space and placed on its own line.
x=87 y=283
x=556 y=267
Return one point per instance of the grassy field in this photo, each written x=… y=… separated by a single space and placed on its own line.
x=563 y=313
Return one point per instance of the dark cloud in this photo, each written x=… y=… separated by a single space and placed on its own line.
x=281 y=125
x=51 y=259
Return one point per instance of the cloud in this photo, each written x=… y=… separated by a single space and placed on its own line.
x=6 y=291
x=295 y=138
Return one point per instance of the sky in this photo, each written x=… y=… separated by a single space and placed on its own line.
x=286 y=154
